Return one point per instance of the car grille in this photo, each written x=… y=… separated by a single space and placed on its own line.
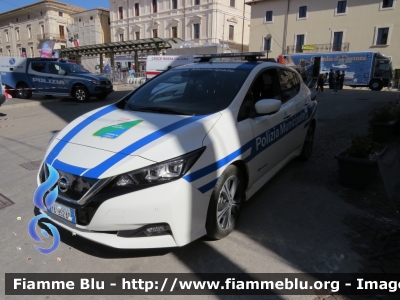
x=105 y=82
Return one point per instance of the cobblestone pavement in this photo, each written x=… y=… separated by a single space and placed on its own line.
x=368 y=231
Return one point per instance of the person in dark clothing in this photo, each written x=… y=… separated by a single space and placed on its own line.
x=341 y=81
x=336 y=81
x=320 y=83
x=331 y=80
x=326 y=77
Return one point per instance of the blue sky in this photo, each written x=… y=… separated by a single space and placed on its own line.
x=6 y=5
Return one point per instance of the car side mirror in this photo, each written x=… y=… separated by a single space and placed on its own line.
x=267 y=106
x=61 y=72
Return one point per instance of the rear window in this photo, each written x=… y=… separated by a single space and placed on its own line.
x=39 y=67
x=187 y=91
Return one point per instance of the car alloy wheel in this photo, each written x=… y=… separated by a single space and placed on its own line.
x=225 y=202
x=81 y=94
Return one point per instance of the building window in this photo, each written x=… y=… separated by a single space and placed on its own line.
x=155 y=33
x=17 y=34
x=9 y=52
x=137 y=35
x=337 y=41
x=42 y=30
x=154 y=6
x=196 y=2
x=196 y=31
x=302 y=12
x=16 y=19
x=136 y=9
x=80 y=20
x=174 y=32
x=60 y=14
x=31 y=51
x=62 y=47
x=174 y=4
x=121 y=13
x=299 y=43
x=341 y=7
x=232 y=3
x=61 y=29
x=231 y=32
x=91 y=17
x=383 y=36
x=267 y=44
x=29 y=32
x=29 y=16
x=121 y=37
x=387 y=3
x=7 y=36
x=268 y=16
x=41 y=13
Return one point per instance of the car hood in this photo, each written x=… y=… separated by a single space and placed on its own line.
x=110 y=141
x=91 y=76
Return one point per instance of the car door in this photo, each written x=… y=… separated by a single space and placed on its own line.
x=59 y=83
x=268 y=148
x=38 y=74
x=295 y=99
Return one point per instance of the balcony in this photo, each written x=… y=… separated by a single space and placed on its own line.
x=56 y=36
x=318 y=48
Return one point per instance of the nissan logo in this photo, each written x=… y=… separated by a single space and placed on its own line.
x=63 y=184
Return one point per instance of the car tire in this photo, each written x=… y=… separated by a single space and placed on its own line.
x=376 y=85
x=81 y=94
x=224 y=208
x=308 y=144
x=23 y=94
x=101 y=96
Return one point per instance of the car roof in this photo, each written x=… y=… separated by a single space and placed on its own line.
x=228 y=65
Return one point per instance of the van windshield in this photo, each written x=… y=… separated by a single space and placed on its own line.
x=189 y=91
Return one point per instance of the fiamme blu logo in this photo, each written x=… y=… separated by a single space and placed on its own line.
x=44 y=197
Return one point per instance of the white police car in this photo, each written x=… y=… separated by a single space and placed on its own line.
x=175 y=159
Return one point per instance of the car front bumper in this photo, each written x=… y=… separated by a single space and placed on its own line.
x=2 y=99
x=177 y=203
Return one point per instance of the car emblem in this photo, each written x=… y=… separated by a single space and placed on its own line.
x=63 y=184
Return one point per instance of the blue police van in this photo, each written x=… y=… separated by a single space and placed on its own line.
x=52 y=77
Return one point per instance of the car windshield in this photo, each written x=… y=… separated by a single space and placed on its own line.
x=189 y=91
x=74 y=68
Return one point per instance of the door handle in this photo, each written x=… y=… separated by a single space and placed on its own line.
x=287 y=116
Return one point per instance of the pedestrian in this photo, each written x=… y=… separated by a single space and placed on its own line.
x=336 y=81
x=320 y=83
x=342 y=80
x=331 y=80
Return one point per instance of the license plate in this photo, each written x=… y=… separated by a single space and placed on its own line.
x=108 y=86
x=63 y=212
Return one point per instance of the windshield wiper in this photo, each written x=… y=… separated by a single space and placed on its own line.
x=162 y=110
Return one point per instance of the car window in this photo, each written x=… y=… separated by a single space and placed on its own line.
x=290 y=84
x=53 y=68
x=39 y=66
x=265 y=86
x=191 y=91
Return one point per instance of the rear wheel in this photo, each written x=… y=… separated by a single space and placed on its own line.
x=308 y=144
x=81 y=94
x=22 y=93
x=225 y=202
x=376 y=85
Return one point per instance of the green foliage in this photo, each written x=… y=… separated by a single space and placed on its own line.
x=385 y=114
x=361 y=147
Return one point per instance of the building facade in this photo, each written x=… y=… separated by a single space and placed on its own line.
x=27 y=27
x=200 y=22
x=89 y=28
x=292 y=26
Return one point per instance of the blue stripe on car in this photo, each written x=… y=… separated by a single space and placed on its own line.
x=59 y=165
x=74 y=131
x=108 y=163
x=254 y=149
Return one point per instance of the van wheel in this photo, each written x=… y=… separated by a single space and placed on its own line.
x=81 y=94
x=224 y=207
x=23 y=94
x=376 y=85
x=308 y=144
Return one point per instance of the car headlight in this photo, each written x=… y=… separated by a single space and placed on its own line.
x=163 y=172
x=95 y=82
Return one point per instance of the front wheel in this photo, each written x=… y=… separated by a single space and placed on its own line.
x=22 y=93
x=376 y=85
x=81 y=94
x=224 y=207
x=308 y=144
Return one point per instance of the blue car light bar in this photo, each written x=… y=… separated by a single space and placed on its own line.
x=251 y=56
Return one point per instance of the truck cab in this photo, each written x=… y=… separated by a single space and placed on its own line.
x=52 y=77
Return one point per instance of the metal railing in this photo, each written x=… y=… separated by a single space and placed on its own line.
x=318 y=48
x=125 y=77
x=55 y=36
